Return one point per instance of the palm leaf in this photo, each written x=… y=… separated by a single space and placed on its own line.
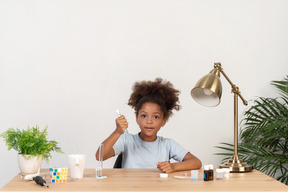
x=282 y=87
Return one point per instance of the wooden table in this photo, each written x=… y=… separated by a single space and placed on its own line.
x=150 y=180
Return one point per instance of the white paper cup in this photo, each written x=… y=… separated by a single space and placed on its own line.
x=76 y=165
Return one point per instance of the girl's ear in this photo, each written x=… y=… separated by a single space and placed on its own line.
x=164 y=122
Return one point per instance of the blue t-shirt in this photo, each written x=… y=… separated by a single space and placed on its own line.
x=140 y=154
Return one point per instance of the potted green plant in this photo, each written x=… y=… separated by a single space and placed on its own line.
x=32 y=146
x=264 y=135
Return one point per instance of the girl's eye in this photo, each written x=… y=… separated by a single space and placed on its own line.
x=156 y=117
x=143 y=116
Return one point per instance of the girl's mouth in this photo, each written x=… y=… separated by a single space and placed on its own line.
x=149 y=128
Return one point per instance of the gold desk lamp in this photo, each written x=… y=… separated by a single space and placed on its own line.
x=207 y=92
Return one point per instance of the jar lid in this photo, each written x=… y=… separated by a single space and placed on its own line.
x=226 y=170
x=219 y=170
x=163 y=175
x=206 y=167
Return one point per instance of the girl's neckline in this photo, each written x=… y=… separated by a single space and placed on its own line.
x=138 y=136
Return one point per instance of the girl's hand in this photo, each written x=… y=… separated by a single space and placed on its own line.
x=121 y=124
x=165 y=167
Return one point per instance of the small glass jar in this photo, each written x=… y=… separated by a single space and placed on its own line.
x=219 y=174
x=194 y=175
x=226 y=174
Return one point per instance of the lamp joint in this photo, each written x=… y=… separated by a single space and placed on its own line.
x=218 y=66
x=235 y=89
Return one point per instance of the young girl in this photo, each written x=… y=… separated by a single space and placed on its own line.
x=153 y=102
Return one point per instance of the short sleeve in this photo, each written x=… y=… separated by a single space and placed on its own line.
x=176 y=151
x=119 y=145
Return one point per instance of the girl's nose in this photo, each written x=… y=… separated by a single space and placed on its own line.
x=149 y=120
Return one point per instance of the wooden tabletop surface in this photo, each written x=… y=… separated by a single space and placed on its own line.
x=150 y=180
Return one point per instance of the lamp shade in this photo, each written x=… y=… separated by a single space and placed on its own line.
x=208 y=89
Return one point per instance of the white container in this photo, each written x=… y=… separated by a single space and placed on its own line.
x=219 y=174
x=226 y=174
x=77 y=165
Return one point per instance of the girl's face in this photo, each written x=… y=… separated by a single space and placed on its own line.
x=150 y=119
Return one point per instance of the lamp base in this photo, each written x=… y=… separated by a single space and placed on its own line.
x=237 y=165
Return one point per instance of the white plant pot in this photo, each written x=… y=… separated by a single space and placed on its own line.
x=28 y=164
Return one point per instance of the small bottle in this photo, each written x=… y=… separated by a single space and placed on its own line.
x=206 y=173
x=211 y=172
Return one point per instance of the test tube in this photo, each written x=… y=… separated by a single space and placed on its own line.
x=100 y=166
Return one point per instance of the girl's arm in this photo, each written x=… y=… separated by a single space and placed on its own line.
x=121 y=125
x=189 y=162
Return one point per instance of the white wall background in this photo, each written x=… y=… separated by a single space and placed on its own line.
x=69 y=64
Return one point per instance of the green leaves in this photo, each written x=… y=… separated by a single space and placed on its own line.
x=264 y=135
x=282 y=86
x=31 y=141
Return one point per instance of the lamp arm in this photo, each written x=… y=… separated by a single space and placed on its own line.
x=235 y=89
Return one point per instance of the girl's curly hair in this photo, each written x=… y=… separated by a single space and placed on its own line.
x=158 y=91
